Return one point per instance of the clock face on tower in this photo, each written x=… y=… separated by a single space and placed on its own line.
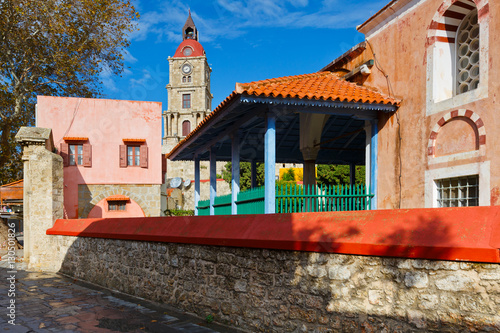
x=186 y=68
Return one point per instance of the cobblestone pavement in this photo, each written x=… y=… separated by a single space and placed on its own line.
x=46 y=302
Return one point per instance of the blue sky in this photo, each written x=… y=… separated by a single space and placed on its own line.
x=244 y=40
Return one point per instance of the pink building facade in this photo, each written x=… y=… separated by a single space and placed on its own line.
x=441 y=147
x=112 y=154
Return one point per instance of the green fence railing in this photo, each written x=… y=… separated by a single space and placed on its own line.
x=251 y=201
x=294 y=198
x=222 y=205
x=204 y=208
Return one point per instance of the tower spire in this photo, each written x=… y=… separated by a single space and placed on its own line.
x=189 y=30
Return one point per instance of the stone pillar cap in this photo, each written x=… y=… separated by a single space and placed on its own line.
x=35 y=136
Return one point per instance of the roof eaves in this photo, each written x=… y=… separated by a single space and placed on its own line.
x=337 y=103
x=382 y=15
x=346 y=57
x=208 y=119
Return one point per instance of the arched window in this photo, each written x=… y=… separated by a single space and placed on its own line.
x=456 y=64
x=186 y=127
x=467 y=65
x=189 y=78
x=184 y=79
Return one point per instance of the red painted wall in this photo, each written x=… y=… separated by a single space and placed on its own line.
x=463 y=234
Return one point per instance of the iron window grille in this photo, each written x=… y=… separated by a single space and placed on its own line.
x=458 y=192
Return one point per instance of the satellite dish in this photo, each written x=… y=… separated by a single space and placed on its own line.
x=176 y=182
x=187 y=182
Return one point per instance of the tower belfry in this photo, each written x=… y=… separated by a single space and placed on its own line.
x=189 y=30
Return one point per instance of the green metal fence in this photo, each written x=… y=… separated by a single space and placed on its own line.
x=204 y=208
x=222 y=205
x=294 y=198
x=251 y=201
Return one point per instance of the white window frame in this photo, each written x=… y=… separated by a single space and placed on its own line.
x=482 y=169
x=460 y=188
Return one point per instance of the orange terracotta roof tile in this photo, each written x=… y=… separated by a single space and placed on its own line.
x=118 y=197
x=133 y=140
x=75 y=138
x=318 y=86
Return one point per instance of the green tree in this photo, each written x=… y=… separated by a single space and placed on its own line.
x=289 y=175
x=338 y=174
x=245 y=174
x=55 y=48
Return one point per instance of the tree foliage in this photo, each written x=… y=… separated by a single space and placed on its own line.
x=245 y=174
x=338 y=174
x=55 y=48
x=326 y=174
x=289 y=175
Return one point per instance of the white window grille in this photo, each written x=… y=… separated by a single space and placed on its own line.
x=468 y=54
x=458 y=192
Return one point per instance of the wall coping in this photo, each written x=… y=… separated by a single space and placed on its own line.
x=458 y=234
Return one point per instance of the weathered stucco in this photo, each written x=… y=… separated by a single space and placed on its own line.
x=105 y=123
x=403 y=48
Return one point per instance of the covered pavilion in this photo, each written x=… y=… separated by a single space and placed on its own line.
x=315 y=118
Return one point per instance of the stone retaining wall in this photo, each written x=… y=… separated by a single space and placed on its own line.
x=287 y=291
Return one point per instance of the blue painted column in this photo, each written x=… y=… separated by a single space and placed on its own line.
x=213 y=180
x=373 y=160
x=253 y=165
x=235 y=172
x=270 y=164
x=196 y=184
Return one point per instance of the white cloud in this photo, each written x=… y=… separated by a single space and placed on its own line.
x=234 y=18
x=146 y=76
x=128 y=57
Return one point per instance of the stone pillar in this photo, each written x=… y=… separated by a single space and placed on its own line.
x=311 y=128
x=176 y=131
x=43 y=197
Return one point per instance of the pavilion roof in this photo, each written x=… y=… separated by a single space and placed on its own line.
x=315 y=87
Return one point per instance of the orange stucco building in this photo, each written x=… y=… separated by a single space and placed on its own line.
x=440 y=147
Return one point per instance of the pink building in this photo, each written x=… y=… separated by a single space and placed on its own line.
x=112 y=154
x=441 y=148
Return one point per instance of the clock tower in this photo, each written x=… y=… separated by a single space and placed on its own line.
x=189 y=97
x=189 y=101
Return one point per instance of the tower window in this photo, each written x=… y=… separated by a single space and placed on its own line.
x=186 y=127
x=186 y=79
x=186 y=101
x=189 y=33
